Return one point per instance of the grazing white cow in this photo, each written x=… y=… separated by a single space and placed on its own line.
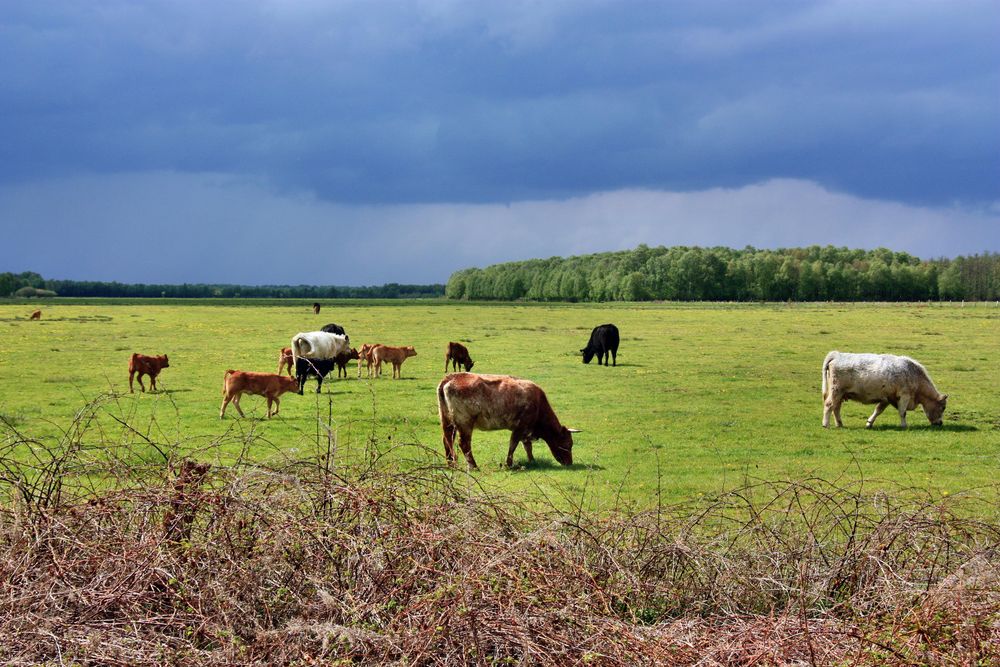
x=318 y=345
x=883 y=379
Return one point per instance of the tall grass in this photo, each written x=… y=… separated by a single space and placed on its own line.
x=114 y=552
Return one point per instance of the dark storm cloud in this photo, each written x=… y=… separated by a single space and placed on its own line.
x=378 y=102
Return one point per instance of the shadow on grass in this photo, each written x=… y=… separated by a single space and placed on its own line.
x=946 y=428
x=549 y=464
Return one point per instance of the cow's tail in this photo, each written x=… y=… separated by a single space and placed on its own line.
x=295 y=350
x=826 y=369
x=131 y=362
x=443 y=413
x=225 y=379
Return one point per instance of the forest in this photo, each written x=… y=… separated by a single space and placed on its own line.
x=816 y=273
x=29 y=284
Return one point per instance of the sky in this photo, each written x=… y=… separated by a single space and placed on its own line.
x=340 y=142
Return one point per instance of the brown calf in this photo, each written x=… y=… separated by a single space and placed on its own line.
x=142 y=364
x=342 y=359
x=285 y=358
x=268 y=385
x=316 y=308
x=365 y=357
x=458 y=354
x=394 y=355
x=37 y=315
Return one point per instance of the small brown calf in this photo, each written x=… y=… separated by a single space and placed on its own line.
x=285 y=358
x=142 y=364
x=365 y=357
x=37 y=315
x=268 y=385
x=458 y=355
x=395 y=355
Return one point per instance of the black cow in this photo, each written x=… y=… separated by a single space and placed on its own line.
x=336 y=329
x=319 y=368
x=603 y=343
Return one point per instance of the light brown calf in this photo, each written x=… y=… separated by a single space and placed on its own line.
x=365 y=357
x=268 y=385
x=37 y=315
x=458 y=355
x=285 y=358
x=142 y=364
x=394 y=355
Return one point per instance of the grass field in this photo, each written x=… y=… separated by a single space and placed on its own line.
x=705 y=396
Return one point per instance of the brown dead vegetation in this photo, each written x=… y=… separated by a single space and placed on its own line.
x=305 y=562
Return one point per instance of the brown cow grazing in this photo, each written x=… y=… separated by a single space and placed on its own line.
x=142 y=364
x=268 y=385
x=365 y=357
x=395 y=355
x=497 y=402
x=458 y=354
x=316 y=308
x=37 y=315
x=883 y=379
x=285 y=359
x=342 y=359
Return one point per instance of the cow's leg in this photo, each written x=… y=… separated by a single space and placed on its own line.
x=152 y=382
x=131 y=389
x=448 y=438
x=878 y=410
x=225 y=403
x=514 y=439
x=236 y=404
x=904 y=403
x=319 y=383
x=614 y=358
x=465 y=442
x=527 y=449
x=446 y=357
x=397 y=371
x=138 y=377
x=832 y=405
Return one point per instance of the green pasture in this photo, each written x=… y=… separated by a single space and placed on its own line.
x=704 y=398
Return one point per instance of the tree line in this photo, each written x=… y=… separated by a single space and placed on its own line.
x=816 y=273
x=30 y=283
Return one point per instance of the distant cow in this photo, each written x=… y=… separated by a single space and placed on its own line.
x=37 y=315
x=883 y=379
x=335 y=328
x=394 y=355
x=318 y=345
x=365 y=357
x=458 y=354
x=142 y=364
x=268 y=385
x=285 y=359
x=495 y=402
x=316 y=308
x=603 y=343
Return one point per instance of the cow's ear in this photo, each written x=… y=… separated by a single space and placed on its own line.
x=944 y=398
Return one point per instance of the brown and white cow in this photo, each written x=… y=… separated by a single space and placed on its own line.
x=37 y=315
x=499 y=402
x=141 y=364
x=365 y=357
x=883 y=379
x=457 y=354
x=285 y=359
x=394 y=355
x=268 y=385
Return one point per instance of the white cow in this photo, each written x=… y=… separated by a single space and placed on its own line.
x=318 y=345
x=884 y=379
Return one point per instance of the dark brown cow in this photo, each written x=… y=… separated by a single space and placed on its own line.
x=394 y=355
x=458 y=354
x=141 y=364
x=499 y=402
x=285 y=359
x=316 y=308
x=268 y=385
x=37 y=315
x=344 y=357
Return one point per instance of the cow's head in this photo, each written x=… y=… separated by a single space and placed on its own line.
x=288 y=383
x=166 y=362
x=934 y=409
x=562 y=445
x=588 y=354
x=409 y=351
x=468 y=365
x=354 y=354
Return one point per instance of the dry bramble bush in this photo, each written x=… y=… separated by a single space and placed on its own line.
x=112 y=553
